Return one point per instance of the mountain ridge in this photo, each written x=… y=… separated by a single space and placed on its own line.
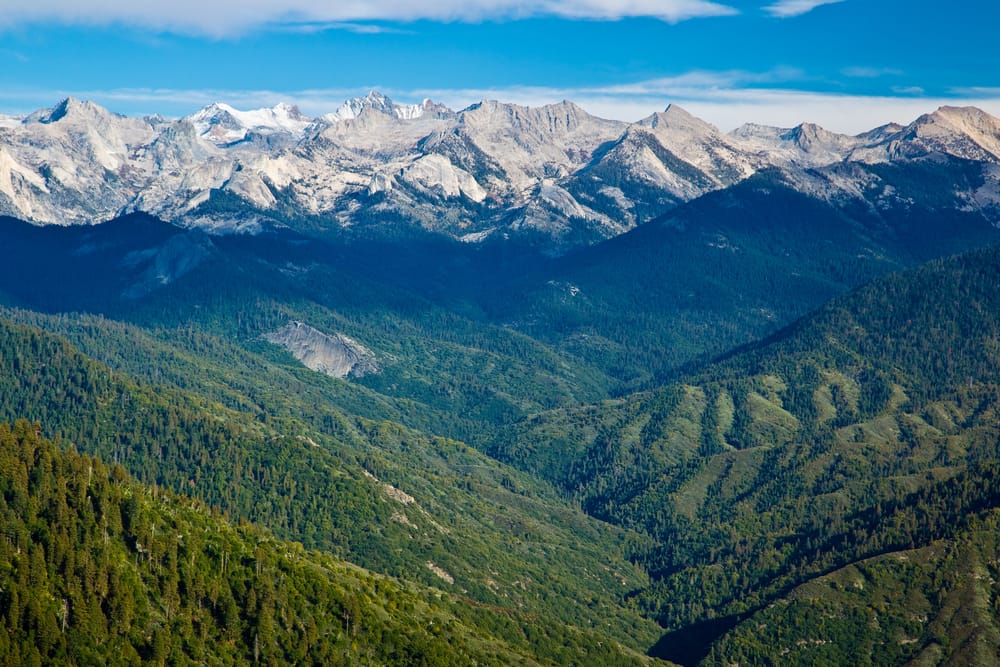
x=486 y=172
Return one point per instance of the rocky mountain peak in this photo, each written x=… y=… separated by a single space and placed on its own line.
x=69 y=110
x=965 y=132
x=882 y=132
x=675 y=120
x=376 y=102
x=676 y=112
x=546 y=120
x=373 y=100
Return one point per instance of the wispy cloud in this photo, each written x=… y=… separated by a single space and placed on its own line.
x=788 y=8
x=226 y=18
x=313 y=27
x=869 y=72
x=977 y=91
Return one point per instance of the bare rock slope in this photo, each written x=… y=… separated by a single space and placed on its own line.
x=337 y=355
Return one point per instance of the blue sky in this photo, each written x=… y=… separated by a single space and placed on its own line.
x=848 y=64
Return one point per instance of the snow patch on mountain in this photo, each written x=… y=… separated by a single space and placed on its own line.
x=476 y=237
x=224 y=125
x=375 y=101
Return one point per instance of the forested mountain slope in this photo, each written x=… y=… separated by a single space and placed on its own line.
x=395 y=500
x=496 y=332
x=868 y=427
x=98 y=569
x=435 y=351
x=934 y=605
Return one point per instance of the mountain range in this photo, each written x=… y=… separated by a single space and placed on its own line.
x=554 y=175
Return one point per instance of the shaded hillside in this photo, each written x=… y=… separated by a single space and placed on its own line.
x=735 y=265
x=437 y=349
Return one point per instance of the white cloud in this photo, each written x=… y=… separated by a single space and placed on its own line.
x=788 y=8
x=869 y=72
x=224 y=18
x=725 y=99
x=312 y=27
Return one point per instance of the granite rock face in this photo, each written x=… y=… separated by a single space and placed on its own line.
x=335 y=355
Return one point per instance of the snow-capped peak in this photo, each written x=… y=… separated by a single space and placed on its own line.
x=376 y=101
x=222 y=124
